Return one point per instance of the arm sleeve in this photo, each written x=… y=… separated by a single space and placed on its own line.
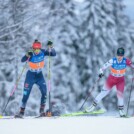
x=129 y=63
x=52 y=52
x=106 y=65
x=24 y=58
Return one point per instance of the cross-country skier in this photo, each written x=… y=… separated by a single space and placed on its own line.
x=34 y=74
x=116 y=78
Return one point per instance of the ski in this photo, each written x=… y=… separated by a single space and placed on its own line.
x=18 y=117
x=55 y=117
x=124 y=116
x=7 y=117
x=82 y=113
x=41 y=115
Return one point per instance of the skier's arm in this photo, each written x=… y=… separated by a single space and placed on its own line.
x=50 y=51
x=24 y=58
x=27 y=56
x=105 y=66
x=129 y=63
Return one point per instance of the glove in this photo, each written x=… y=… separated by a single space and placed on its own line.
x=50 y=44
x=29 y=53
x=101 y=75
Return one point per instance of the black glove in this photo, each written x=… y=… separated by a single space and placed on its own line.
x=50 y=44
x=29 y=53
x=101 y=75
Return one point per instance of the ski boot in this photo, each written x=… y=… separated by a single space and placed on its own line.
x=42 y=113
x=20 y=114
x=121 y=111
x=91 y=108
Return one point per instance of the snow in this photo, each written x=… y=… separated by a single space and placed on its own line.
x=68 y=125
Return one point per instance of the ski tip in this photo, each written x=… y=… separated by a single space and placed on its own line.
x=1 y=116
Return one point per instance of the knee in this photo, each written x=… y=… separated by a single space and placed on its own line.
x=26 y=92
x=25 y=95
x=119 y=94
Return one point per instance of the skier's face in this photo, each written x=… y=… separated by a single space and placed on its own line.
x=119 y=57
x=36 y=51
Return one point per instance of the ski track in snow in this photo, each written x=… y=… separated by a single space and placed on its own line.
x=68 y=125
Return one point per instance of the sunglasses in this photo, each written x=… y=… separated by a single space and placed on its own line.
x=120 y=55
x=36 y=50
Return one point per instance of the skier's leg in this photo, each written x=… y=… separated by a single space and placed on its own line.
x=104 y=92
x=29 y=81
x=120 y=95
x=42 y=86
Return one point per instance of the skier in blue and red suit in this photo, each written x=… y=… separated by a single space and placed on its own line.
x=34 y=75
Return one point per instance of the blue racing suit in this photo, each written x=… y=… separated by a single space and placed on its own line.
x=35 y=76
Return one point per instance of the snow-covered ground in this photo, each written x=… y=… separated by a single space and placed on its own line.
x=68 y=125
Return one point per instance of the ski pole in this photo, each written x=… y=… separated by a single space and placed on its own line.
x=130 y=96
x=15 y=87
x=49 y=85
x=90 y=93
